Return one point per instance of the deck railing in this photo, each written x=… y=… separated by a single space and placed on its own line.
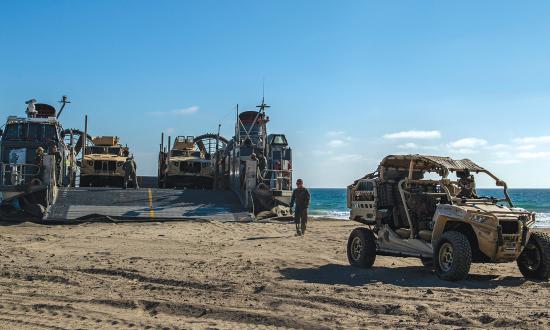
x=17 y=174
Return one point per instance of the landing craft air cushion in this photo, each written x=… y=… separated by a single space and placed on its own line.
x=265 y=191
x=28 y=180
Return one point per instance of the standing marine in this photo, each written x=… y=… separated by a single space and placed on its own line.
x=301 y=197
x=130 y=168
x=262 y=167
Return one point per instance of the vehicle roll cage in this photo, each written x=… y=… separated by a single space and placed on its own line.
x=443 y=166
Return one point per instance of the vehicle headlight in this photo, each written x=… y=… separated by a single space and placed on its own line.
x=90 y=163
x=481 y=218
x=119 y=164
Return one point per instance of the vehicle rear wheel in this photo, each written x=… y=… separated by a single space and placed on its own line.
x=361 y=248
x=452 y=256
x=534 y=261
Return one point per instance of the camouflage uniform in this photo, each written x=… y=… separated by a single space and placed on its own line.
x=301 y=197
x=467 y=185
x=262 y=166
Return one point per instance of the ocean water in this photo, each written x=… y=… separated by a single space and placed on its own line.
x=331 y=202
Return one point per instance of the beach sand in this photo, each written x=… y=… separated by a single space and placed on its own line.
x=240 y=275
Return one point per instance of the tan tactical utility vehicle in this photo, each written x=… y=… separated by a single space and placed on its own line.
x=103 y=162
x=185 y=166
x=413 y=208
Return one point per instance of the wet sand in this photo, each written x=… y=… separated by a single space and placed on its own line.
x=240 y=275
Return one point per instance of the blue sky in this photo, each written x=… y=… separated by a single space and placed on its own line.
x=348 y=81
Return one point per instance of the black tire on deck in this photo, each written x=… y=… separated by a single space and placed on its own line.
x=452 y=256
x=534 y=261
x=361 y=248
x=84 y=182
x=427 y=262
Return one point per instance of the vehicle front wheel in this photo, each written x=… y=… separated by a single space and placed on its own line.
x=534 y=261
x=361 y=248
x=452 y=256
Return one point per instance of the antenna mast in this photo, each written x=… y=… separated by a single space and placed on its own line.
x=64 y=101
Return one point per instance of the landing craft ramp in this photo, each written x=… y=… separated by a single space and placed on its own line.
x=87 y=203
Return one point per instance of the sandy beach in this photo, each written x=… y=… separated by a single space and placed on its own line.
x=215 y=275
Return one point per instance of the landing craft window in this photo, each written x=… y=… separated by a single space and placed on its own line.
x=13 y=131
x=279 y=139
x=32 y=131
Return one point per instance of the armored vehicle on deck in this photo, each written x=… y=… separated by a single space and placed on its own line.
x=411 y=207
x=34 y=160
x=102 y=164
x=186 y=165
x=257 y=166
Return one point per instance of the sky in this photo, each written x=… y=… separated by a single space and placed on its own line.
x=348 y=81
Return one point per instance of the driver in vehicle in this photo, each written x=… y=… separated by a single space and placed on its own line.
x=467 y=185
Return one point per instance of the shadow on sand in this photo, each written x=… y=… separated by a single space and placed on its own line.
x=408 y=276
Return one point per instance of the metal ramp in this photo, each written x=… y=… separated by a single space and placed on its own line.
x=83 y=204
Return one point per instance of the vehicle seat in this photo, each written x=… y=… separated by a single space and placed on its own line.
x=425 y=234
x=403 y=232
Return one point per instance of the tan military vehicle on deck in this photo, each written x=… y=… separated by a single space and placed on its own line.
x=186 y=165
x=102 y=164
x=411 y=207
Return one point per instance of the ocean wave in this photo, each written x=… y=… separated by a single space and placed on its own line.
x=542 y=218
x=341 y=215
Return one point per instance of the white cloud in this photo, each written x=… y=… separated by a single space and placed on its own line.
x=526 y=147
x=534 y=155
x=177 y=112
x=468 y=143
x=533 y=139
x=336 y=143
x=414 y=135
x=412 y=145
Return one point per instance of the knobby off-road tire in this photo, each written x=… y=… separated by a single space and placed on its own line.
x=534 y=261
x=452 y=256
x=361 y=248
